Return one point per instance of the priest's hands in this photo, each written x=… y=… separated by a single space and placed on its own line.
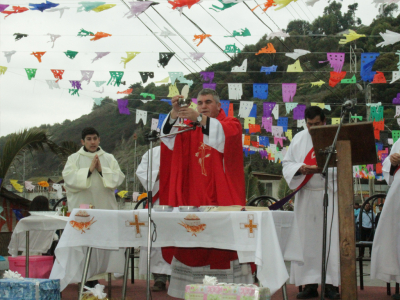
x=305 y=169
x=395 y=159
x=175 y=106
x=95 y=164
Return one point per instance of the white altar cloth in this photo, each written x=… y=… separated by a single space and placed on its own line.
x=253 y=233
x=41 y=230
x=286 y=230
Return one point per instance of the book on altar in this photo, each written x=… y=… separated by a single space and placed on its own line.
x=225 y=291
x=30 y=289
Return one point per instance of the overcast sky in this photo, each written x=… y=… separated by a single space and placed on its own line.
x=25 y=103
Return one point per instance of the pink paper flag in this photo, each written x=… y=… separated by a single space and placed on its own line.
x=288 y=91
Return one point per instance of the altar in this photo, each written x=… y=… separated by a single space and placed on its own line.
x=253 y=234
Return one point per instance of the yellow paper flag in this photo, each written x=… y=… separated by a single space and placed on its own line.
x=165 y=80
x=103 y=7
x=294 y=67
x=193 y=105
x=122 y=193
x=3 y=70
x=16 y=185
x=317 y=83
x=173 y=90
x=130 y=56
x=335 y=121
x=350 y=37
x=320 y=105
x=249 y=120
x=289 y=134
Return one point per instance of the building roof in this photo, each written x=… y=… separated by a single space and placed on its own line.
x=14 y=198
x=55 y=179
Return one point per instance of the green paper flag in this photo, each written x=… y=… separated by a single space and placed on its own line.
x=224 y=6
x=74 y=92
x=116 y=77
x=71 y=54
x=231 y=49
x=243 y=32
x=31 y=73
x=84 y=32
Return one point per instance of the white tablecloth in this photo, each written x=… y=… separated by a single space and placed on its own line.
x=252 y=233
x=41 y=230
x=286 y=230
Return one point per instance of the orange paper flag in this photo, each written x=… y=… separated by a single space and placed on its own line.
x=201 y=37
x=246 y=140
x=230 y=111
x=379 y=78
x=128 y=91
x=38 y=55
x=269 y=49
x=99 y=35
x=336 y=77
x=43 y=183
x=267 y=5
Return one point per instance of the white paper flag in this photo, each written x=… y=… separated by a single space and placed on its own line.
x=154 y=124
x=290 y=106
x=141 y=114
x=185 y=91
x=245 y=108
x=275 y=112
x=277 y=131
x=395 y=76
x=235 y=91
x=242 y=68
x=297 y=53
x=389 y=37
x=301 y=123
x=397 y=111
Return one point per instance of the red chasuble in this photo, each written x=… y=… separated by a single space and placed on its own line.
x=196 y=174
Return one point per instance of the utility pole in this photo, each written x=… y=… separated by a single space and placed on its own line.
x=23 y=177
x=134 y=165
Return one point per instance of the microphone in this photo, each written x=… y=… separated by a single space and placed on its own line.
x=348 y=104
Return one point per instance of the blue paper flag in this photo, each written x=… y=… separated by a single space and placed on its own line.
x=42 y=6
x=283 y=121
x=253 y=112
x=268 y=70
x=225 y=106
x=167 y=100
x=379 y=146
x=260 y=90
x=263 y=141
x=161 y=118
x=18 y=214
x=367 y=62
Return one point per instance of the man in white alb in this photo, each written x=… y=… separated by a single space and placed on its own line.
x=299 y=165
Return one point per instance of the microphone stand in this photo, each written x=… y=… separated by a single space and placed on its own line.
x=330 y=151
x=151 y=137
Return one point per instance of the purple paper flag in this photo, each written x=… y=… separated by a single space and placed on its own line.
x=76 y=84
x=3 y=7
x=194 y=100
x=336 y=61
x=1 y=181
x=207 y=76
x=212 y=86
x=288 y=91
x=122 y=106
x=86 y=75
x=267 y=124
x=139 y=7
x=396 y=100
x=100 y=55
x=225 y=106
x=161 y=118
x=267 y=108
x=298 y=112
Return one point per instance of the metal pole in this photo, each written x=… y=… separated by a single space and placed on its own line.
x=134 y=168
x=149 y=205
x=127 y=255
x=85 y=271
x=27 y=256
x=284 y=292
x=23 y=177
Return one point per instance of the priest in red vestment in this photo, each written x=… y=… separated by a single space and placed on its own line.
x=202 y=167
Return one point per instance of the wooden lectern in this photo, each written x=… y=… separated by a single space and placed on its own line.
x=355 y=146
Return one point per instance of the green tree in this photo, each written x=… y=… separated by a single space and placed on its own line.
x=388 y=10
x=27 y=140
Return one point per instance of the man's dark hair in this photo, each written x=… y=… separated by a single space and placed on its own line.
x=312 y=111
x=89 y=130
x=39 y=203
